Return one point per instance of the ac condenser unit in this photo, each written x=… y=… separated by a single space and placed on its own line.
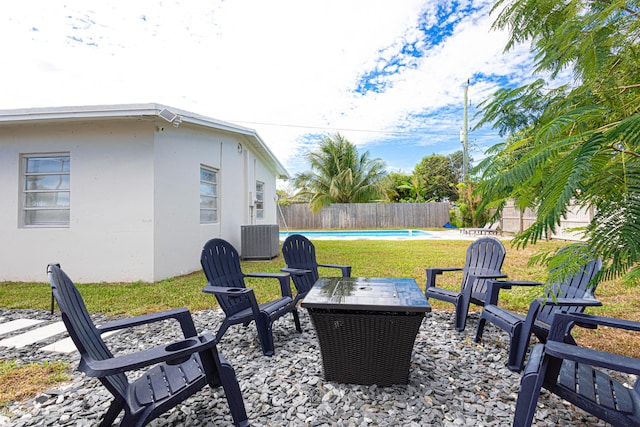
x=260 y=241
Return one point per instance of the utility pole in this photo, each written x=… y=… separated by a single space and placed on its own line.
x=465 y=137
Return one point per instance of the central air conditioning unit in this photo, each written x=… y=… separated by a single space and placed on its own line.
x=260 y=241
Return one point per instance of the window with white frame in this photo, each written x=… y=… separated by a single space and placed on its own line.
x=259 y=200
x=46 y=190
x=208 y=195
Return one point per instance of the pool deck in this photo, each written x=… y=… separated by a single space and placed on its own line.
x=449 y=234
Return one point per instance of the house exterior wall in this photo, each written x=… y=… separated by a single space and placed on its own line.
x=135 y=198
x=179 y=154
x=179 y=236
x=263 y=175
x=111 y=219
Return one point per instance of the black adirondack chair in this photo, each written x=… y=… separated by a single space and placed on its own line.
x=568 y=371
x=300 y=257
x=573 y=296
x=221 y=264
x=179 y=370
x=483 y=261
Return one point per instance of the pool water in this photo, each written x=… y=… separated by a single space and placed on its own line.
x=359 y=234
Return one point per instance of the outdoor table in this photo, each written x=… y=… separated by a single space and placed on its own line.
x=366 y=328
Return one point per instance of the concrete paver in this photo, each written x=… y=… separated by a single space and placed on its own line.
x=34 y=336
x=15 y=325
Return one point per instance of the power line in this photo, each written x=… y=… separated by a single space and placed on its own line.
x=340 y=129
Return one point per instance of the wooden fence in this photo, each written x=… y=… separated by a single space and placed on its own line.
x=414 y=215
x=364 y=215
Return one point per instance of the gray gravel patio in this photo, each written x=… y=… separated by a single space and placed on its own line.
x=453 y=382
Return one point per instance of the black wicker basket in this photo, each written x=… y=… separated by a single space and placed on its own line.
x=363 y=347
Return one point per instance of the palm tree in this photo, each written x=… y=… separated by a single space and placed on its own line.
x=415 y=185
x=339 y=175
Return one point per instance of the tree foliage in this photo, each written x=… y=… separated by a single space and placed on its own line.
x=439 y=177
x=339 y=174
x=468 y=212
x=395 y=187
x=572 y=140
x=434 y=178
x=415 y=187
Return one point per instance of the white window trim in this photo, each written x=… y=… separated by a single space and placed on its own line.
x=216 y=197
x=259 y=212
x=23 y=191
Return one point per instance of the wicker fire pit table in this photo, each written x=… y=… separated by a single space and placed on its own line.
x=366 y=328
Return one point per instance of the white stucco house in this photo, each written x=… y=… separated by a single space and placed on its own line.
x=126 y=192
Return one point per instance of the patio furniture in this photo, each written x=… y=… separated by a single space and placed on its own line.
x=179 y=370
x=221 y=264
x=573 y=295
x=568 y=371
x=483 y=262
x=488 y=228
x=366 y=328
x=300 y=256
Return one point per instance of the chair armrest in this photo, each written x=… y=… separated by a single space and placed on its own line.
x=433 y=272
x=176 y=352
x=234 y=292
x=182 y=315
x=570 y=302
x=283 y=278
x=510 y=283
x=441 y=270
x=226 y=291
x=494 y=286
x=562 y=322
x=267 y=275
x=490 y=276
x=346 y=269
x=591 y=357
x=295 y=271
x=588 y=320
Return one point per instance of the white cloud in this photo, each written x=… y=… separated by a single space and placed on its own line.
x=287 y=62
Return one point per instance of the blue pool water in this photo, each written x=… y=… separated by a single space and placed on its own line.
x=358 y=234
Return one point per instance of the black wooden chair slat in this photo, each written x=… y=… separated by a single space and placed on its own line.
x=158 y=384
x=605 y=388
x=191 y=370
x=483 y=261
x=568 y=375
x=221 y=265
x=621 y=396
x=300 y=256
x=571 y=296
x=142 y=391
x=175 y=378
x=586 y=385
x=176 y=374
x=572 y=373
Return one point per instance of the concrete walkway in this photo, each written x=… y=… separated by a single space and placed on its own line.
x=20 y=333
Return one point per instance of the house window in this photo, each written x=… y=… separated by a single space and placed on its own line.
x=208 y=195
x=46 y=191
x=259 y=200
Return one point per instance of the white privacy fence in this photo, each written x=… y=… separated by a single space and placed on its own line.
x=515 y=221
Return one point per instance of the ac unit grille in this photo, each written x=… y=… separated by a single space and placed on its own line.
x=260 y=241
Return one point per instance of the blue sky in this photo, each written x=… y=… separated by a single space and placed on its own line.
x=387 y=74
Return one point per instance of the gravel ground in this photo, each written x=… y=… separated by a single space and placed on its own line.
x=452 y=381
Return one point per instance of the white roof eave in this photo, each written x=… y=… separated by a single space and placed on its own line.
x=57 y=114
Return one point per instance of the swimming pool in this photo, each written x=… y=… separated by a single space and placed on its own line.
x=359 y=234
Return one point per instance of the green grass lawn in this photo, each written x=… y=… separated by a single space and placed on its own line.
x=369 y=258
